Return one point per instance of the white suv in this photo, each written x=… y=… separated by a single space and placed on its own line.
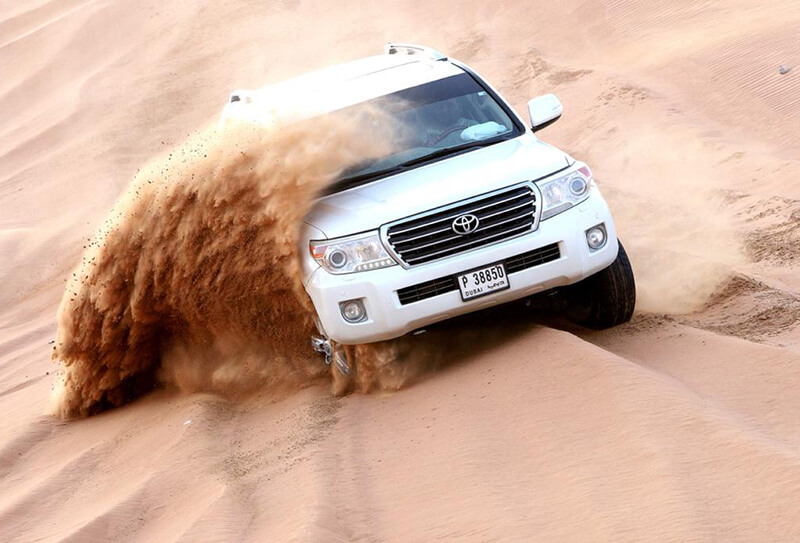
x=471 y=210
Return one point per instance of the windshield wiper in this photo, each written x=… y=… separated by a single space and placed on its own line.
x=356 y=180
x=455 y=150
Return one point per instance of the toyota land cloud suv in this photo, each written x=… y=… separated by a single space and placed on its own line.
x=471 y=211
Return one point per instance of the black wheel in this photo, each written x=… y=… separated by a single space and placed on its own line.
x=604 y=299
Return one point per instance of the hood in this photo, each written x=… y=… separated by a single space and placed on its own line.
x=369 y=206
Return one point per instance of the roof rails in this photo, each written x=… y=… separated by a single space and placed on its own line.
x=411 y=49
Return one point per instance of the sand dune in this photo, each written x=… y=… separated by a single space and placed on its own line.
x=680 y=426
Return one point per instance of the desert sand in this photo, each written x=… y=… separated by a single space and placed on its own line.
x=683 y=425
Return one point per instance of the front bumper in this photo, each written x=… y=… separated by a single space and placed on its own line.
x=387 y=318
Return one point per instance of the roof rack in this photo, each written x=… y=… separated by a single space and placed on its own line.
x=411 y=49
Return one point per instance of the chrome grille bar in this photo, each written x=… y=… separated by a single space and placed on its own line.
x=452 y=216
x=467 y=245
x=429 y=236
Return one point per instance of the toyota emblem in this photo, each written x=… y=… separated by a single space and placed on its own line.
x=465 y=224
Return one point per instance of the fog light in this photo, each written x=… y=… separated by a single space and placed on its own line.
x=596 y=236
x=353 y=311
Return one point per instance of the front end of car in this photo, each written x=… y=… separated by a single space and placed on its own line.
x=488 y=249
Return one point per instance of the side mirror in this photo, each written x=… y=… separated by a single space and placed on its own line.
x=544 y=111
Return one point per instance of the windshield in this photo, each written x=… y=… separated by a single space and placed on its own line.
x=432 y=120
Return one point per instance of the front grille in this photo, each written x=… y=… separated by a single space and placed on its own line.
x=539 y=256
x=428 y=289
x=501 y=215
x=442 y=285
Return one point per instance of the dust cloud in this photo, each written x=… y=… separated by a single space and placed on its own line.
x=675 y=223
x=194 y=279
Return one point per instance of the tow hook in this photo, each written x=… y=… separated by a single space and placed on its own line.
x=324 y=347
x=333 y=353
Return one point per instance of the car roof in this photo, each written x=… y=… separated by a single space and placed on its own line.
x=336 y=87
x=402 y=71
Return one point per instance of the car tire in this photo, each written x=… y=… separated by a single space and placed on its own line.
x=604 y=299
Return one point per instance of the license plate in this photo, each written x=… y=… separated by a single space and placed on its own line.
x=483 y=281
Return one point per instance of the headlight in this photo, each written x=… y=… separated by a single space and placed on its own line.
x=351 y=254
x=564 y=192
